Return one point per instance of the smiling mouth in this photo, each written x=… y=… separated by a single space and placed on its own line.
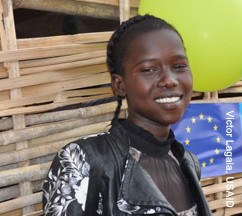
x=167 y=100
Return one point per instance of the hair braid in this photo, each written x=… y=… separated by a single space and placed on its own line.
x=117 y=111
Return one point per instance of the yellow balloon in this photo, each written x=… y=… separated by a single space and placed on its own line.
x=212 y=34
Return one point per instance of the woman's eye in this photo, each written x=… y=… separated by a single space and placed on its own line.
x=181 y=66
x=148 y=70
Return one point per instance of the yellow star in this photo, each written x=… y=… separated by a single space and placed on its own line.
x=187 y=142
x=209 y=119
x=188 y=129
x=215 y=127
x=201 y=116
x=216 y=151
x=204 y=164
x=211 y=161
x=218 y=139
x=193 y=120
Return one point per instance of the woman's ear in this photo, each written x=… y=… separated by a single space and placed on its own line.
x=118 y=85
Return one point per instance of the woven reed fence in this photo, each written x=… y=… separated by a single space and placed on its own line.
x=39 y=75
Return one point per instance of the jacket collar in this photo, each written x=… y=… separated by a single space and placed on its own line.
x=120 y=133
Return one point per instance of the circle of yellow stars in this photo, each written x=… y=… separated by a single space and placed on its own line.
x=215 y=128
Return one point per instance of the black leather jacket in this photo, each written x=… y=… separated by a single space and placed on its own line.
x=123 y=186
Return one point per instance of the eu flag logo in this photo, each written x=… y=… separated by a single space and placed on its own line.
x=213 y=133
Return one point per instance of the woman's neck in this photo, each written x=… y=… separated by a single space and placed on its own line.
x=160 y=132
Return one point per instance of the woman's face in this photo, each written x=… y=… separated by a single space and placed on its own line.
x=157 y=79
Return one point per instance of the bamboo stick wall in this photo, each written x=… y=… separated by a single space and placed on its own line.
x=41 y=74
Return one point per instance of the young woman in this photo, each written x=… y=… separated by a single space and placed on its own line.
x=137 y=167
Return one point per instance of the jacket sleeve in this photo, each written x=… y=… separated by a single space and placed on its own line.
x=66 y=186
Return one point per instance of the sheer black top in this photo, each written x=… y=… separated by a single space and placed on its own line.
x=157 y=160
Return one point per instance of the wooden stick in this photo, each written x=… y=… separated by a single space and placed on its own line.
x=214 y=95
x=93 y=9
x=68 y=65
x=37 y=213
x=57 y=87
x=206 y=183
x=236 y=191
x=8 y=167
x=54 y=76
x=108 y=2
x=196 y=94
x=21 y=202
x=8 y=148
x=18 y=212
x=8 y=193
x=45 y=52
x=83 y=38
x=24 y=174
x=220 y=187
x=207 y=95
x=39 y=131
x=77 y=132
x=64 y=115
x=54 y=98
x=11 y=192
x=13 y=72
x=133 y=3
x=233 y=211
x=219 y=181
x=124 y=10
x=4 y=95
x=59 y=60
x=30 y=153
x=235 y=175
x=67 y=40
x=59 y=102
x=216 y=204
x=50 y=148
x=210 y=198
x=3 y=74
x=219 y=213
x=2 y=30
x=238 y=205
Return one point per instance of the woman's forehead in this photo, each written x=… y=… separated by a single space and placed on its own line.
x=158 y=37
x=165 y=42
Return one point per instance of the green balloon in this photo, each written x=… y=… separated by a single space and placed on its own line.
x=212 y=34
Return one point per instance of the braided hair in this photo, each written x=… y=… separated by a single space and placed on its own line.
x=118 y=45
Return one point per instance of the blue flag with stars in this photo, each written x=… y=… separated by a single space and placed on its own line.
x=213 y=133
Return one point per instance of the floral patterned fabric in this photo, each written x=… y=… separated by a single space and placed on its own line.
x=190 y=212
x=67 y=182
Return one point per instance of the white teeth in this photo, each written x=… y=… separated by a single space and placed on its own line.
x=167 y=100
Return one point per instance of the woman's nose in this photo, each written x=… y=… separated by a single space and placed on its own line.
x=167 y=79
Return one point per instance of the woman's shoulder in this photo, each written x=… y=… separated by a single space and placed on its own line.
x=97 y=148
x=90 y=141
